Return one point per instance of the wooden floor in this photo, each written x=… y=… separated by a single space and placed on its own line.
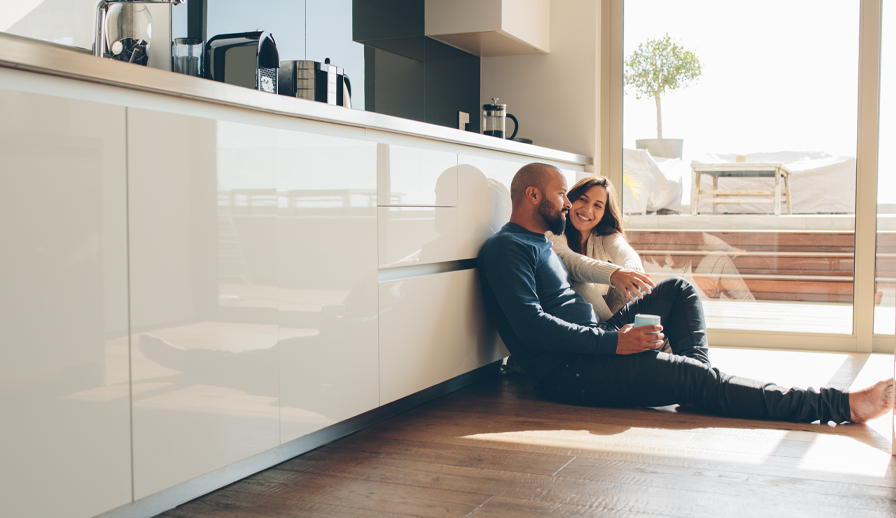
x=496 y=448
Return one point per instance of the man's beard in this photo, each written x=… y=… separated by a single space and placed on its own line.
x=554 y=217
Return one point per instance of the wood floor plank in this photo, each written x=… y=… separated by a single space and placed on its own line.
x=241 y=505
x=617 y=490
x=596 y=434
x=584 y=444
x=579 y=467
x=682 y=419
x=361 y=494
x=454 y=455
x=514 y=508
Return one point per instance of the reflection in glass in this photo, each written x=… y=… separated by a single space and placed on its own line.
x=763 y=146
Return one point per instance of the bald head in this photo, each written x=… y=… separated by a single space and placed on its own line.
x=538 y=194
x=531 y=175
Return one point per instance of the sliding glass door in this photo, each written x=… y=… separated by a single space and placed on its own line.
x=739 y=159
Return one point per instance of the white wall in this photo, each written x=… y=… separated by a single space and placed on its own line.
x=553 y=95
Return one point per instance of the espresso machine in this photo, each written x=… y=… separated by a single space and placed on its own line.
x=135 y=31
x=248 y=59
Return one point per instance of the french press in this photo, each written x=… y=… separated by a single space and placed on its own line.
x=494 y=117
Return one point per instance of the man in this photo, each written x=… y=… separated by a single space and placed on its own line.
x=554 y=334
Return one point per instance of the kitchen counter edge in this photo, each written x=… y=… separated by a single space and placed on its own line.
x=23 y=54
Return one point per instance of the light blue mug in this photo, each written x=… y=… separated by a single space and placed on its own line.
x=647 y=320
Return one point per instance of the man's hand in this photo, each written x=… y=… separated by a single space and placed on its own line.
x=632 y=282
x=634 y=340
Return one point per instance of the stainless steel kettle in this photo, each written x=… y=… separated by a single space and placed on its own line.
x=135 y=31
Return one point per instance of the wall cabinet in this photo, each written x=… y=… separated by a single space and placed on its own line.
x=64 y=387
x=491 y=27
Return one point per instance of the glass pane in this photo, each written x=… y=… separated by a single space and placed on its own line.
x=768 y=129
x=885 y=274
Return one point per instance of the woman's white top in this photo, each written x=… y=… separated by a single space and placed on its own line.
x=589 y=273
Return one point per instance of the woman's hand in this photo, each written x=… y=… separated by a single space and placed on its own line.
x=632 y=283
x=634 y=340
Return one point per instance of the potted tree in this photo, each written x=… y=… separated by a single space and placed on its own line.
x=655 y=68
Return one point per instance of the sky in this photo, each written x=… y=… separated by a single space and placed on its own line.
x=777 y=76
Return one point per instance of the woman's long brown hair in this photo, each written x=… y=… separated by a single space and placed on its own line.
x=611 y=223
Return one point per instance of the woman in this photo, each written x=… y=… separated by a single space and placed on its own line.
x=593 y=245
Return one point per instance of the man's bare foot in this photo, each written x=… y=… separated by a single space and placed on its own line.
x=871 y=402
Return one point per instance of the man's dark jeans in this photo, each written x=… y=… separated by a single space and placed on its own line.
x=652 y=378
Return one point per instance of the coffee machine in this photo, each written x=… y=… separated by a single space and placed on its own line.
x=135 y=31
x=316 y=81
x=248 y=59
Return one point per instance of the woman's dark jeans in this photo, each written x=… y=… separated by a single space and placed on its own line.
x=652 y=378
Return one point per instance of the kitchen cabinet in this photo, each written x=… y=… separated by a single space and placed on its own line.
x=478 y=343
x=189 y=286
x=327 y=271
x=204 y=299
x=491 y=27
x=484 y=205
x=418 y=334
x=408 y=176
x=64 y=384
x=416 y=235
x=484 y=199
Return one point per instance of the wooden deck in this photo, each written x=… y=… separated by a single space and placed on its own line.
x=496 y=448
x=809 y=266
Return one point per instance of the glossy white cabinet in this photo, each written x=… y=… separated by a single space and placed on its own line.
x=478 y=343
x=327 y=261
x=416 y=176
x=250 y=245
x=64 y=386
x=416 y=235
x=484 y=197
x=418 y=334
x=204 y=301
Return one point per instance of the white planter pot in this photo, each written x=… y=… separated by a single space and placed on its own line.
x=662 y=147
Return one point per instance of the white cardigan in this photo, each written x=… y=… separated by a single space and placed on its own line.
x=589 y=273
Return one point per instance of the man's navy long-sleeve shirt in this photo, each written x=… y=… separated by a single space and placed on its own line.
x=526 y=293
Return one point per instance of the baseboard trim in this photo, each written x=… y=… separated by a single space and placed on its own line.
x=174 y=496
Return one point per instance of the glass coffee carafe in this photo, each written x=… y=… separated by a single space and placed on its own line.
x=494 y=119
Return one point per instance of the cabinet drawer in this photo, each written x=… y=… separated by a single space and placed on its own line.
x=416 y=235
x=479 y=343
x=418 y=334
x=483 y=186
x=415 y=176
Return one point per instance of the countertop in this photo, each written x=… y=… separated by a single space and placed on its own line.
x=23 y=54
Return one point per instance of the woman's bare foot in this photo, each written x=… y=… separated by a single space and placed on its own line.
x=871 y=402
